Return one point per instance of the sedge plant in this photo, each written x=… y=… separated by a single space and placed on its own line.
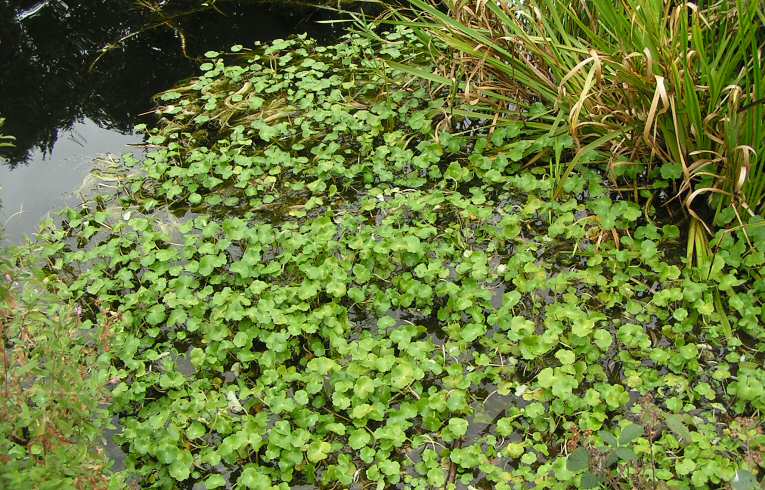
x=657 y=92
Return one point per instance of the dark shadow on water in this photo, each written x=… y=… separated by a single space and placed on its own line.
x=47 y=83
x=67 y=101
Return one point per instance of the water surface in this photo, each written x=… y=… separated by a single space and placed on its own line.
x=76 y=77
x=50 y=180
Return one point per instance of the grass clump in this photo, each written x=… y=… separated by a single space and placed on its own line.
x=325 y=273
x=665 y=96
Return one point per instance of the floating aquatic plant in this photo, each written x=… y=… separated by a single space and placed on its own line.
x=314 y=280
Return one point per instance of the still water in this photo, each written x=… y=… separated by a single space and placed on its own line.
x=76 y=76
x=49 y=180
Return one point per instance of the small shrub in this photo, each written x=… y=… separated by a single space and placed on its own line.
x=52 y=388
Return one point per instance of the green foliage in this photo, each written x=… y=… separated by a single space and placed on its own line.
x=657 y=92
x=598 y=464
x=54 y=371
x=314 y=281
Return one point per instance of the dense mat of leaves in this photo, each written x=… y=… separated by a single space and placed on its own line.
x=348 y=294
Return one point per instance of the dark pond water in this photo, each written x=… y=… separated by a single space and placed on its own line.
x=67 y=101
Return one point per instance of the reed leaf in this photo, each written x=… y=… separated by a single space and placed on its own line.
x=665 y=84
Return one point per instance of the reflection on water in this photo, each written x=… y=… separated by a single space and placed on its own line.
x=51 y=94
x=49 y=182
